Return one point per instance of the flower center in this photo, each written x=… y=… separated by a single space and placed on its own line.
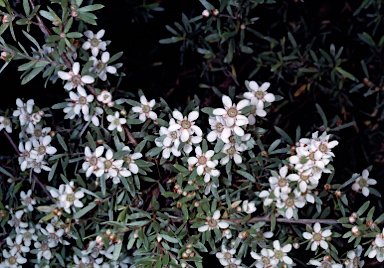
x=232 y=112
x=76 y=79
x=231 y=151
x=27 y=235
x=279 y=254
x=232 y=139
x=363 y=183
x=232 y=265
x=356 y=261
x=116 y=122
x=38 y=133
x=107 y=164
x=326 y=264
x=212 y=223
x=146 y=109
x=101 y=65
x=304 y=177
x=173 y=135
x=16 y=221
x=185 y=124
x=227 y=255
x=289 y=202
x=28 y=200
x=83 y=100
x=53 y=236
x=219 y=127
x=94 y=42
x=41 y=150
x=265 y=260
x=127 y=160
x=207 y=170
x=12 y=260
x=93 y=160
x=323 y=148
x=71 y=198
x=202 y=160
x=44 y=247
x=317 y=237
x=259 y=94
x=282 y=182
x=6 y=122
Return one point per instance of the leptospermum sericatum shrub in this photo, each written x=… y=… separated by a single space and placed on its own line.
x=131 y=182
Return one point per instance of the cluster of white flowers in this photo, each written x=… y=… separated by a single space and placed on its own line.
x=295 y=190
x=26 y=115
x=377 y=248
x=226 y=258
x=272 y=257
x=112 y=168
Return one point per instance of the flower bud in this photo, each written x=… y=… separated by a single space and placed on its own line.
x=242 y=26
x=110 y=104
x=296 y=245
x=158 y=238
x=5 y=19
x=352 y=219
x=327 y=187
x=205 y=13
x=337 y=194
x=355 y=231
x=215 y=12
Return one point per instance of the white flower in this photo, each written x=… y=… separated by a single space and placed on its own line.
x=81 y=101
x=67 y=197
x=258 y=93
x=94 y=42
x=16 y=246
x=36 y=132
x=218 y=126
x=232 y=114
x=44 y=250
x=202 y=160
x=94 y=118
x=74 y=78
x=213 y=222
x=268 y=197
x=248 y=207
x=16 y=221
x=318 y=237
x=13 y=260
x=27 y=235
x=280 y=253
x=377 y=249
x=41 y=148
x=113 y=168
x=232 y=151
x=105 y=96
x=129 y=160
x=281 y=184
x=363 y=182
x=27 y=200
x=225 y=255
x=54 y=237
x=145 y=110
x=227 y=234
x=185 y=125
x=24 y=111
x=289 y=204
x=93 y=163
x=354 y=258
x=265 y=259
x=6 y=124
x=116 y=122
x=100 y=66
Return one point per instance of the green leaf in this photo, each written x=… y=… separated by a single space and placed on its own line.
x=31 y=75
x=2 y=170
x=363 y=208
x=62 y=142
x=170 y=239
x=284 y=135
x=117 y=251
x=27 y=8
x=84 y=210
x=90 y=8
x=115 y=58
x=346 y=74
x=246 y=175
x=170 y=40
x=322 y=115
x=73 y=35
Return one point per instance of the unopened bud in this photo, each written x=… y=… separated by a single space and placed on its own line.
x=355 y=231
x=196 y=204
x=5 y=19
x=205 y=13
x=123 y=112
x=337 y=194
x=62 y=35
x=185 y=193
x=296 y=245
x=327 y=187
x=158 y=238
x=110 y=104
x=242 y=26
x=238 y=209
x=215 y=12
x=352 y=219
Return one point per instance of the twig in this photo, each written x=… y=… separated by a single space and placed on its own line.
x=284 y=220
x=130 y=136
x=11 y=142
